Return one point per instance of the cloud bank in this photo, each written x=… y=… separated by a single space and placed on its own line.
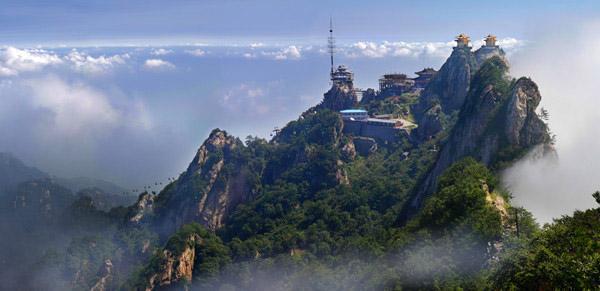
x=85 y=63
x=196 y=52
x=14 y=61
x=369 y=49
x=566 y=73
x=158 y=64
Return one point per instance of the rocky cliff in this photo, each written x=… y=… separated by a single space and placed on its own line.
x=487 y=52
x=450 y=85
x=218 y=178
x=446 y=92
x=497 y=124
x=190 y=252
x=339 y=97
x=175 y=265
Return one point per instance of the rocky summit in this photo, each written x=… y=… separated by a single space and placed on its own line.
x=215 y=182
x=497 y=123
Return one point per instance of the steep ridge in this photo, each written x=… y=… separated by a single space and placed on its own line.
x=219 y=177
x=496 y=124
x=446 y=92
x=307 y=154
x=450 y=85
x=339 y=97
x=190 y=252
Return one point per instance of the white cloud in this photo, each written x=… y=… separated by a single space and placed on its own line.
x=75 y=108
x=161 y=52
x=158 y=64
x=249 y=55
x=71 y=128
x=14 y=61
x=196 y=52
x=397 y=49
x=85 y=63
x=4 y=72
x=257 y=45
x=369 y=49
x=291 y=52
x=566 y=73
x=385 y=49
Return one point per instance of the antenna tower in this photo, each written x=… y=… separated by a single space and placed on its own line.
x=331 y=43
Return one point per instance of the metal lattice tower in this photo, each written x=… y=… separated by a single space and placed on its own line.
x=331 y=43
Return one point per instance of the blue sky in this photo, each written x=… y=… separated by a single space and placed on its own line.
x=105 y=22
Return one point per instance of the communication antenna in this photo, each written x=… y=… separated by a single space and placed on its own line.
x=331 y=43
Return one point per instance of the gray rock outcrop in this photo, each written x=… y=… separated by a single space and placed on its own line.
x=497 y=124
x=339 y=97
x=214 y=183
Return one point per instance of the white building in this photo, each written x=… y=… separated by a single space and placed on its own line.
x=354 y=114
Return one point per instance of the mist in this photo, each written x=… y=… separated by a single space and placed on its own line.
x=564 y=60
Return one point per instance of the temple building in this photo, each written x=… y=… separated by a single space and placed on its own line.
x=489 y=49
x=342 y=76
x=395 y=84
x=462 y=41
x=424 y=76
x=490 y=41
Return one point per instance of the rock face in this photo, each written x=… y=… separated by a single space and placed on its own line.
x=449 y=86
x=339 y=97
x=487 y=52
x=191 y=252
x=348 y=151
x=175 y=266
x=142 y=208
x=524 y=127
x=105 y=277
x=497 y=124
x=368 y=96
x=430 y=123
x=365 y=145
x=447 y=90
x=216 y=181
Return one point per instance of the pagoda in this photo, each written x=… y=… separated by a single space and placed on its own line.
x=462 y=41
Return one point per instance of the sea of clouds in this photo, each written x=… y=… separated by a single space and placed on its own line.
x=136 y=114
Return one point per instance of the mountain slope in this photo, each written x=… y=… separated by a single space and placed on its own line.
x=13 y=172
x=220 y=176
x=497 y=124
x=450 y=85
